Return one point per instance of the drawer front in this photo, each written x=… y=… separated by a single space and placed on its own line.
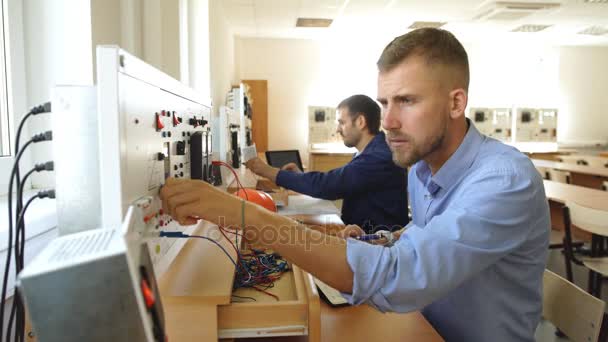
x=267 y=316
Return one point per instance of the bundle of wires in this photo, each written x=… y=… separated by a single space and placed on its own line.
x=255 y=269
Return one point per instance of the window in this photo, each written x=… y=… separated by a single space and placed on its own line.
x=5 y=132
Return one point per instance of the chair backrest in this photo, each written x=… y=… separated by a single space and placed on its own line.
x=559 y=176
x=544 y=172
x=596 y=161
x=571 y=159
x=572 y=310
x=588 y=219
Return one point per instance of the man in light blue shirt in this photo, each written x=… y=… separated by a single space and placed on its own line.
x=473 y=257
x=472 y=260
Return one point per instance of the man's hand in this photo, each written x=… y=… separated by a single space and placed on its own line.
x=291 y=167
x=257 y=166
x=351 y=231
x=188 y=200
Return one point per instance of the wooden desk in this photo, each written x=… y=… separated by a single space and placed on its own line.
x=324 y=161
x=558 y=193
x=363 y=323
x=196 y=295
x=591 y=177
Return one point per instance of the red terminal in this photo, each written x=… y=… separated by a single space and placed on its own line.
x=161 y=212
x=161 y=223
x=148 y=218
x=159 y=123
x=175 y=120
x=148 y=294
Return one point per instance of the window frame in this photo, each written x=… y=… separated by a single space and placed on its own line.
x=15 y=60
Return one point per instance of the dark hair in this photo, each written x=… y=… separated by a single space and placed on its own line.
x=434 y=45
x=366 y=106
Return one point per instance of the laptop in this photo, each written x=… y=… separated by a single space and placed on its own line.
x=281 y=158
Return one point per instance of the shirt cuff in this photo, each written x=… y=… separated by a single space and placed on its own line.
x=282 y=179
x=367 y=263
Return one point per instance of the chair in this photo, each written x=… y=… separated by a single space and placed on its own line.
x=596 y=161
x=572 y=159
x=544 y=172
x=573 y=311
x=595 y=222
x=559 y=176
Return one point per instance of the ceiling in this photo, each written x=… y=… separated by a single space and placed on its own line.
x=374 y=18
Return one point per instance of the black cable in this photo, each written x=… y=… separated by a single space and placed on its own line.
x=17 y=304
x=48 y=166
x=46 y=107
x=46 y=136
x=10 y=237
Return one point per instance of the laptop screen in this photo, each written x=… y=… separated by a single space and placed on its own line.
x=280 y=158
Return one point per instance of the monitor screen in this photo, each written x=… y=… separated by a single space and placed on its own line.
x=280 y=158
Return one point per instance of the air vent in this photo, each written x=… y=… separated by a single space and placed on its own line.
x=83 y=245
x=509 y=10
x=530 y=28
x=595 y=31
x=423 y=24
x=313 y=22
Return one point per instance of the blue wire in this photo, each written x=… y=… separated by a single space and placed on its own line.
x=182 y=235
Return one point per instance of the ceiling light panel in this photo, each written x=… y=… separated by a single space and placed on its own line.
x=530 y=28
x=595 y=31
x=422 y=24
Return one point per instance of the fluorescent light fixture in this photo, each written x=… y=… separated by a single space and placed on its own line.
x=423 y=24
x=530 y=28
x=595 y=31
x=313 y=22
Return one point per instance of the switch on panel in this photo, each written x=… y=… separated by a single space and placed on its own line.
x=159 y=123
x=176 y=120
x=180 y=148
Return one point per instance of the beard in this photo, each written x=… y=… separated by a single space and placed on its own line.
x=414 y=153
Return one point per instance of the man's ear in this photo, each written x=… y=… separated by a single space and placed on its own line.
x=458 y=102
x=361 y=122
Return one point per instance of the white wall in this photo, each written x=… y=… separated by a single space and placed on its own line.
x=305 y=72
x=58 y=50
x=583 y=81
x=221 y=59
x=302 y=73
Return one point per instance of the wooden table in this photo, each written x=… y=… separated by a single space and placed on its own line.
x=559 y=193
x=196 y=294
x=591 y=177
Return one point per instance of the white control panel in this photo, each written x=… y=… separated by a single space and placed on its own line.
x=322 y=125
x=148 y=127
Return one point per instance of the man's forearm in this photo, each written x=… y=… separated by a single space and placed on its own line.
x=322 y=255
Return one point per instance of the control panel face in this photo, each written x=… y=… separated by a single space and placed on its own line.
x=322 y=125
x=536 y=124
x=151 y=127
x=493 y=122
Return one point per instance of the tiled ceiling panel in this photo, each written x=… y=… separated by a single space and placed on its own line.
x=277 y=18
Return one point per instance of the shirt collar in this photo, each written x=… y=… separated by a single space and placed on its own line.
x=454 y=167
x=371 y=145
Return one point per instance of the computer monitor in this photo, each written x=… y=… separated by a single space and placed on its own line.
x=280 y=158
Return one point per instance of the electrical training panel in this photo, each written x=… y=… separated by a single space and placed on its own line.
x=493 y=122
x=322 y=125
x=136 y=128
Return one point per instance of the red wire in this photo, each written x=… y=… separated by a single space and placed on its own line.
x=236 y=177
x=268 y=293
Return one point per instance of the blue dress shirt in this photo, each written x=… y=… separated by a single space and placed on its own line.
x=473 y=257
x=374 y=189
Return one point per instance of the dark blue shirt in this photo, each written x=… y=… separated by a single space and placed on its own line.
x=374 y=189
